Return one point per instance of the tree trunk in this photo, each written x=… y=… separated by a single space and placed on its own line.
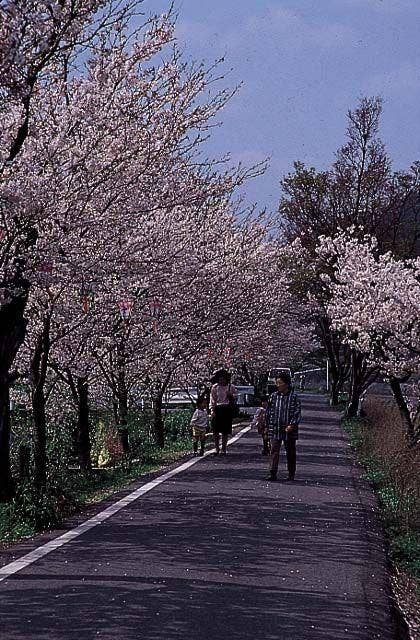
x=337 y=355
x=83 y=426
x=24 y=462
x=38 y=374
x=395 y=385
x=356 y=386
x=12 y=334
x=335 y=377
x=335 y=390
x=158 y=424
x=122 y=396
x=123 y=421
x=40 y=440
x=352 y=409
x=246 y=374
x=115 y=409
x=6 y=480
x=361 y=377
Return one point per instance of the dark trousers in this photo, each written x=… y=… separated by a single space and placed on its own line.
x=266 y=445
x=290 y=446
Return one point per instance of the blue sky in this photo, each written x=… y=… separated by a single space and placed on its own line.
x=303 y=64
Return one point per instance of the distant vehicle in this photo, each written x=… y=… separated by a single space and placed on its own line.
x=178 y=396
x=273 y=374
x=184 y=397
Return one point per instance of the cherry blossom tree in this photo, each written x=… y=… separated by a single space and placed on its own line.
x=376 y=302
x=359 y=190
x=80 y=166
x=89 y=160
x=38 y=42
x=193 y=298
x=123 y=251
x=261 y=328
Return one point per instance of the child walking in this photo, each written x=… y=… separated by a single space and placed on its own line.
x=200 y=423
x=260 y=423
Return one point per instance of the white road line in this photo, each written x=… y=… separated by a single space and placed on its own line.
x=52 y=545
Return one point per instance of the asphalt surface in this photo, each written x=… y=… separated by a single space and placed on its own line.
x=216 y=553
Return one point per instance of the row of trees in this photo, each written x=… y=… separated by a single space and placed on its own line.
x=353 y=245
x=126 y=260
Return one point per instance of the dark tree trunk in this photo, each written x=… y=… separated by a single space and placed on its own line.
x=356 y=384
x=395 y=385
x=336 y=388
x=40 y=440
x=79 y=387
x=246 y=374
x=12 y=335
x=336 y=378
x=361 y=377
x=123 y=421
x=158 y=424
x=6 y=480
x=122 y=397
x=115 y=410
x=352 y=409
x=337 y=355
x=38 y=374
x=83 y=425
x=24 y=462
x=12 y=321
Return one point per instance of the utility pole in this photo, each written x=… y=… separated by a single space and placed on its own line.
x=328 y=375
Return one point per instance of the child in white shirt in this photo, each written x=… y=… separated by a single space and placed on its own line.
x=200 y=423
x=260 y=423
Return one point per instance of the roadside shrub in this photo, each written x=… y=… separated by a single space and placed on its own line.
x=356 y=432
x=177 y=424
x=60 y=447
x=405 y=549
x=106 y=449
x=11 y=526
x=141 y=437
x=29 y=512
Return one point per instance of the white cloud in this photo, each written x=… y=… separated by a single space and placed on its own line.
x=296 y=31
x=288 y=29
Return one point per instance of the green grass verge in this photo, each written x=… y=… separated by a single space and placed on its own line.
x=396 y=506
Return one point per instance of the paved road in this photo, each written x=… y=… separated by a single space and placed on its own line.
x=217 y=553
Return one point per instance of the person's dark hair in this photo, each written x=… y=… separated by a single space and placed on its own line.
x=264 y=399
x=285 y=377
x=201 y=399
x=220 y=373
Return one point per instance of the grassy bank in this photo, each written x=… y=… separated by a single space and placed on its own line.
x=393 y=468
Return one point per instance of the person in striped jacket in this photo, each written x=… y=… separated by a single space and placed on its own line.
x=283 y=417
